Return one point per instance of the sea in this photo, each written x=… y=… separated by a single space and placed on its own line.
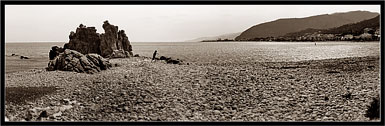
x=206 y=52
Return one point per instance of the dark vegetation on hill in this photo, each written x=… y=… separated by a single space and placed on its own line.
x=353 y=28
x=281 y=27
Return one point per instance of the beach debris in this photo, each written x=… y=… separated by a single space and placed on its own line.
x=23 y=57
x=14 y=54
x=113 y=43
x=71 y=60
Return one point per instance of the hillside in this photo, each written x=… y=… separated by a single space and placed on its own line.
x=229 y=36
x=281 y=27
x=353 y=28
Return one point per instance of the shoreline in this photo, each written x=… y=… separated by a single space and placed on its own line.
x=141 y=90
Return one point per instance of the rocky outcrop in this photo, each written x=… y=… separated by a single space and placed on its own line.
x=109 y=40
x=169 y=60
x=85 y=40
x=113 y=43
x=122 y=37
x=71 y=60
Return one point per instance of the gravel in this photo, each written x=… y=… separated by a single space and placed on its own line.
x=138 y=89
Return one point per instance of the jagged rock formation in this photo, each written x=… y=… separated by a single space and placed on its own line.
x=71 y=60
x=122 y=37
x=113 y=43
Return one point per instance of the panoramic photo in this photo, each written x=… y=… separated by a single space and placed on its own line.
x=194 y=63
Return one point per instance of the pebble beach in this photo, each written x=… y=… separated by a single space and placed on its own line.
x=138 y=89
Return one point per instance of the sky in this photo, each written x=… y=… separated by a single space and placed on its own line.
x=152 y=23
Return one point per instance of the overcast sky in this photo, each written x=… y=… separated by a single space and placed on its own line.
x=155 y=23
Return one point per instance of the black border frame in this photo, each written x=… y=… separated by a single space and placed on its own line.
x=3 y=3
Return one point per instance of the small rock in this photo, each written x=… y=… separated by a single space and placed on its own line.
x=126 y=108
x=217 y=112
x=43 y=114
x=163 y=117
x=72 y=102
x=57 y=114
x=65 y=107
x=326 y=98
x=66 y=101
x=333 y=71
x=6 y=119
x=23 y=57
x=158 y=105
x=147 y=100
x=347 y=95
x=154 y=118
x=132 y=117
x=218 y=107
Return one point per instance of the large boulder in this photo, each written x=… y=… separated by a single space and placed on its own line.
x=71 y=60
x=85 y=40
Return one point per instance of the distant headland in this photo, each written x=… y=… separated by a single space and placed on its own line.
x=349 y=26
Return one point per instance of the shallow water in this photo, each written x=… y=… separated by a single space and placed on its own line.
x=211 y=52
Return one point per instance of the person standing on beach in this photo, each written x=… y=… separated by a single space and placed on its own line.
x=153 y=55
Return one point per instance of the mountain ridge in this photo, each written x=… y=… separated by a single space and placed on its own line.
x=229 y=36
x=283 y=26
x=352 y=28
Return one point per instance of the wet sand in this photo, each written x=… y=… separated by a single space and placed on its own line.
x=140 y=90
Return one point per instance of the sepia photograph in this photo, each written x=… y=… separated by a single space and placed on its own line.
x=192 y=63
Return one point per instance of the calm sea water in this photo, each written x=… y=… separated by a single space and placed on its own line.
x=216 y=52
x=259 y=51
